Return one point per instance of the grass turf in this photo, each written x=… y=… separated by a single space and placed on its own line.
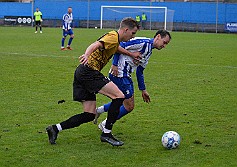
x=192 y=84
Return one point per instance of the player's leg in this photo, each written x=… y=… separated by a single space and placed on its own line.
x=112 y=91
x=40 y=26
x=127 y=107
x=70 y=39
x=125 y=84
x=89 y=104
x=74 y=121
x=63 y=40
x=36 y=26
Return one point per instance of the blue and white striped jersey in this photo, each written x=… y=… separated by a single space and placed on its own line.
x=67 y=21
x=127 y=65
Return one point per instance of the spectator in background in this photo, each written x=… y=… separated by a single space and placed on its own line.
x=144 y=18
x=138 y=18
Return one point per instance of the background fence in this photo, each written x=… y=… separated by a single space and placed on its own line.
x=188 y=16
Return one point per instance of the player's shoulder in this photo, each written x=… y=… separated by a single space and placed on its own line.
x=137 y=41
x=65 y=15
x=141 y=39
x=113 y=35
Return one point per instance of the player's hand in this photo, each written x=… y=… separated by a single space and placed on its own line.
x=114 y=70
x=136 y=55
x=146 y=96
x=83 y=59
x=136 y=62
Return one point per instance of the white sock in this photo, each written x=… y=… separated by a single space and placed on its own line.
x=103 y=124
x=106 y=130
x=100 y=109
x=59 y=127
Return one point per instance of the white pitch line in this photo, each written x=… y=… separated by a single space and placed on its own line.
x=204 y=65
x=36 y=55
x=54 y=56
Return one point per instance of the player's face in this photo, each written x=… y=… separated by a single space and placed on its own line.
x=69 y=10
x=160 y=43
x=129 y=33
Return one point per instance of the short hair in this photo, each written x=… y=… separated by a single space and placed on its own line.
x=129 y=22
x=163 y=34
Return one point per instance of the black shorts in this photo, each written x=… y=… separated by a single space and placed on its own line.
x=38 y=23
x=87 y=82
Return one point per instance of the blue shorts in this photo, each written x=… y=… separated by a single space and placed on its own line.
x=125 y=84
x=68 y=32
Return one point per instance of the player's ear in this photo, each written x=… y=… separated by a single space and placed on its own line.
x=125 y=30
x=158 y=36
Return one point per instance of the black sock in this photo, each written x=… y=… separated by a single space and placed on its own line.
x=55 y=128
x=113 y=112
x=77 y=120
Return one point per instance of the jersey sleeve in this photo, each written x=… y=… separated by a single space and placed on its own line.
x=109 y=41
x=65 y=20
x=117 y=55
x=140 y=78
x=116 y=59
x=133 y=45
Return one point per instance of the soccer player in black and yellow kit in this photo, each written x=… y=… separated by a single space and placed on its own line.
x=88 y=81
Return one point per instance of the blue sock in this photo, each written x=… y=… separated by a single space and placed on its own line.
x=63 y=39
x=70 y=41
x=122 y=112
x=106 y=107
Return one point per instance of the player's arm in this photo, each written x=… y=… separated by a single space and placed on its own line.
x=135 y=55
x=114 y=67
x=65 y=21
x=34 y=17
x=96 y=45
x=141 y=84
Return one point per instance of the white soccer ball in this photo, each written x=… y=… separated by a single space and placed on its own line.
x=170 y=140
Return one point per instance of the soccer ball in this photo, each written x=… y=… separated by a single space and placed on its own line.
x=170 y=140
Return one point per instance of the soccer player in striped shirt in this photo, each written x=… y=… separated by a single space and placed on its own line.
x=88 y=81
x=67 y=28
x=123 y=66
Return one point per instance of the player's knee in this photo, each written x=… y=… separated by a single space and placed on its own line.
x=72 y=36
x=117 y=95
x=121 y=95
x=130 y=107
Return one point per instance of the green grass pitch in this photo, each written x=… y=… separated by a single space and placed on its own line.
x=193 y=89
